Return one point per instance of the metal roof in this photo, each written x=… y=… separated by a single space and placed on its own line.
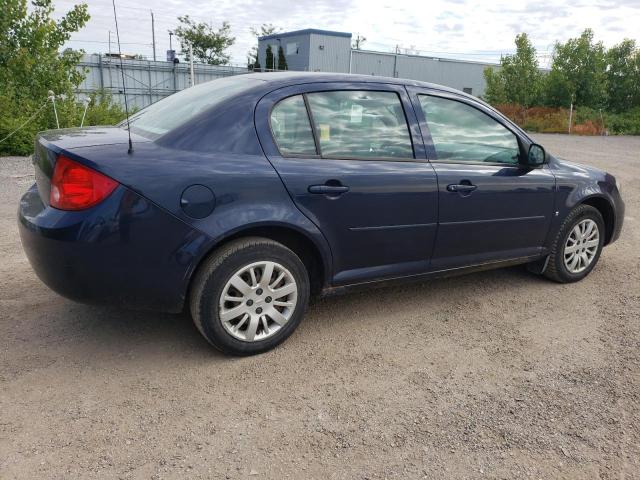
x=430 y=57
x=305 y=32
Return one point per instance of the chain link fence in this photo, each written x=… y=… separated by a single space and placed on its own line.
x=146 y=81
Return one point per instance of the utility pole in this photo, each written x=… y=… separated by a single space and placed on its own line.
x=395 y=61
x=109 y=43
x=173 y=63
x=571 y=113
x=153 y=36
x=193 y=79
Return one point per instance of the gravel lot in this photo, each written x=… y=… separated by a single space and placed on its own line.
x=493 y=375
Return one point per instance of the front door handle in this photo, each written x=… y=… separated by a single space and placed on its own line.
x=461 y=187
x=328 y=189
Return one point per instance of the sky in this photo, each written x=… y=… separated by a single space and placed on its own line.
x=467 y=29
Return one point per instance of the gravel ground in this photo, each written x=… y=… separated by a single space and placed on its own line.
x=493 y=375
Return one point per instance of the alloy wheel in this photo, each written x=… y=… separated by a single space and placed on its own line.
x=581 y=246
x=257 y=301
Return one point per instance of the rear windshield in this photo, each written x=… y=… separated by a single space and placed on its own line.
x=174 y=110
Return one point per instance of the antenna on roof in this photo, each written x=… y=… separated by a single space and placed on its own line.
x=124 y=87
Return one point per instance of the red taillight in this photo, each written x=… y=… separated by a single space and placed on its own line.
x=76 y=187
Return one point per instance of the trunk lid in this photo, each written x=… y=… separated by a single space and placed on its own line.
x=50 y=143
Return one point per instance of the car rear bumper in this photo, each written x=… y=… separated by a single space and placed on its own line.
x=125 y=251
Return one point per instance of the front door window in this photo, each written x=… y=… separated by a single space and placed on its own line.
x=462 y=133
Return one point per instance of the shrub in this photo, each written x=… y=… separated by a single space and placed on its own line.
x=587 y=128
x=627 y=123
x=537 y=119
x=101 y=111
x=20 y=142
x=586 y=121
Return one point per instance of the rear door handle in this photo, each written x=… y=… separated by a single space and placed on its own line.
x=461 y=187
x=328 y=189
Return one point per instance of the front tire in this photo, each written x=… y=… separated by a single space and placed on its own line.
x=249 y=296
x=578 y=245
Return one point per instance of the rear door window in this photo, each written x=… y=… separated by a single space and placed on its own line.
x=354 y=124
x=291 y=127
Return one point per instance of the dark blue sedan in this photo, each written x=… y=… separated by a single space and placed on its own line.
x=243 y=196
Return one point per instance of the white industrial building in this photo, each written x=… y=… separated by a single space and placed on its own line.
x=326 y=51
x=305 y=50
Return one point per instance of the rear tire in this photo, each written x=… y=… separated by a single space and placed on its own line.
x=577 y=246
x=237 y=308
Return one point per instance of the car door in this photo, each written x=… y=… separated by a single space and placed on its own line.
x=491 y=207
x=352 y=159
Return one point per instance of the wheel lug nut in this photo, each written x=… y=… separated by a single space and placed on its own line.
x=268 y=299
x=249 y=302
x=259 y=310
x=259 y=291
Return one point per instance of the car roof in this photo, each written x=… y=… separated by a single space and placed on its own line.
x=293 y=78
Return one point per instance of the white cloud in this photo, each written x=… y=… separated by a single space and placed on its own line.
x=480 y=30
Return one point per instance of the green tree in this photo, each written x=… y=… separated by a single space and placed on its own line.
x=282 y=61
x=494 y=92
x=31 y=65
x=518 y=79
x=623 y=76
x=578 y=73
x=209 y=45
x=30 y=62
x=268 y=63
x=264 y=30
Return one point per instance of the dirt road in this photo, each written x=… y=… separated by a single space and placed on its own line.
x=494 y=375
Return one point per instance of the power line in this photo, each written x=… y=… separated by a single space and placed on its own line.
x=78 y=40
x=420 y=51
x=168 y=19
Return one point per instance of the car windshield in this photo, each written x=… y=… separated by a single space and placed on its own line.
x=174 y=110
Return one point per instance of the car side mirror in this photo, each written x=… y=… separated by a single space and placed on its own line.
x=536 y=156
